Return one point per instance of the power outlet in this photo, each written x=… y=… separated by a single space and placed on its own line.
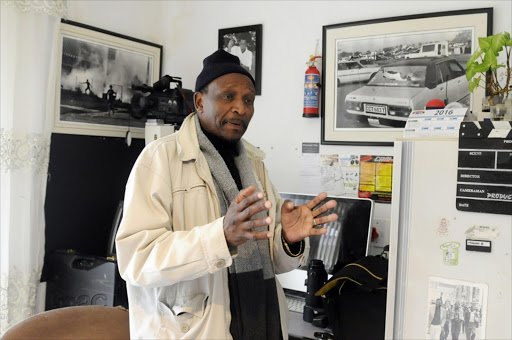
x=382 y=226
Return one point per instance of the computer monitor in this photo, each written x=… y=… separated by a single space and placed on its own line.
x=347 y=240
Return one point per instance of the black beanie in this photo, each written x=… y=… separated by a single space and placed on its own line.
x=219 y=64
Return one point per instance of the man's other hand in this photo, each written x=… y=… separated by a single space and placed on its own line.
x=238 y=222
x=301 y=222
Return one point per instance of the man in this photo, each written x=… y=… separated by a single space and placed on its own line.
x=436 y=320
x=457 y=321
x=445 y=330
x=111 y=98
x=203 y=231
x=88 y=88
x=472 y=322
x=244 y=54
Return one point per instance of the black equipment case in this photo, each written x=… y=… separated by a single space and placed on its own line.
x=355 y=299
x=75 y=279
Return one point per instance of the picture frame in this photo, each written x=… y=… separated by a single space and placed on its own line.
x=242 y=40
x=374 y=72
x=96 y=75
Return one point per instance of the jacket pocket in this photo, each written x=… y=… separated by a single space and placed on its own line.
x=185 y=308
x=186 y=312
x=191 y=207
x=194 y=306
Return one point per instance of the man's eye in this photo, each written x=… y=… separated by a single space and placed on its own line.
x=228 y=96
x=249 y=101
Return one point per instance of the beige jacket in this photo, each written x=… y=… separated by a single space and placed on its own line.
x=171 y=247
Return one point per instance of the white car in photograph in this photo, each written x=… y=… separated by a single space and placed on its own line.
x=354 y=72
x=399 y=88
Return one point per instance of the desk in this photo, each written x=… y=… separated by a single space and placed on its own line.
x=300 y=329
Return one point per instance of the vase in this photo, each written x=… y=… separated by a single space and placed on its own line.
x=498 y=112
x=486 y=104
x=486 y=107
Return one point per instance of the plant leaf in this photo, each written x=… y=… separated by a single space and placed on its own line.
x=474 y=84
x=498 y=41
x=490 y=61
x=485 y=43
x=474 y=57
x=508 y=39
x=490 y=48
x=476 y=68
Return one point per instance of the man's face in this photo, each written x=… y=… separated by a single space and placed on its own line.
x=227 y=108
x=243 y=45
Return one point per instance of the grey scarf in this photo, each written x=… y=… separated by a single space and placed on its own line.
x=252 y=255
x=252 y=288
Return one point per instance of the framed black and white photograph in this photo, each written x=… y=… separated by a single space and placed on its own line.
x=376 y=72
x=464 y=302
x=245 y=42
x=99 y=73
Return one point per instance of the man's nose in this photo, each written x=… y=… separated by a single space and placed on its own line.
x=239 y=107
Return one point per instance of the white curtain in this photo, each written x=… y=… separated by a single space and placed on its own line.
x=29 y=38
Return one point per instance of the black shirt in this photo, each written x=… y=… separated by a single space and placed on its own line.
x=228 y=151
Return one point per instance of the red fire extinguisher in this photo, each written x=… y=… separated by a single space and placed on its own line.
x=311 y=89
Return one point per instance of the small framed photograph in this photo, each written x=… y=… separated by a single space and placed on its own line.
x=245 y=42
x=376 y=72
x=97 y=72
x=465 y=304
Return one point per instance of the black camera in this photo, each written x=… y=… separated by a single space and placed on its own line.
x=163 y=102
x=317 y=276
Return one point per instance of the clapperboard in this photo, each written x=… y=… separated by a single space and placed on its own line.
x=484 y=174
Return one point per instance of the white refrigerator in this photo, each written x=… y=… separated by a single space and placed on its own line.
x=438 y=252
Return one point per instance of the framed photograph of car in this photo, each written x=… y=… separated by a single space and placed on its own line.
x=98 y=75
x=375 y=72
x=246 y=43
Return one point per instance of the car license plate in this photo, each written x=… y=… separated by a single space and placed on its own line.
x=375 y=109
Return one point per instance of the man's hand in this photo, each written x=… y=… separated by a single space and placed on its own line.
x=300 y=222
x=238 y=224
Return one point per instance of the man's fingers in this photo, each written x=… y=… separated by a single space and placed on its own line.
x=287 y=206
x=245 y=231
x=253 y=209
x=244 y=193
x=324 y=219
x=329 y=205
x=318 y=231
x=252 y=235
x=316 y=201
x=256 y=223
x=264 y=235
x=254 y=202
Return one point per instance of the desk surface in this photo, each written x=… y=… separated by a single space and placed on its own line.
x=300 y=329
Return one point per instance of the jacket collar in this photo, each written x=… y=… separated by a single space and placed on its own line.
x=188 y=145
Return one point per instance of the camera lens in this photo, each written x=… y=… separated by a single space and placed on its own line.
x=317 y=276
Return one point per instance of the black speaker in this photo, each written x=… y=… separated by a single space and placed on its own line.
x=76 y=279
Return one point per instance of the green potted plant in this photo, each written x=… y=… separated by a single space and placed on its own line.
x=485 y=59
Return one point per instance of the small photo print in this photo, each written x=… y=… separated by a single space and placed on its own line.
x=456 y=309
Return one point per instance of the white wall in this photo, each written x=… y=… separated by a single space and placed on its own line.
x=188 y=31
x=139 y=19
x=291 y=30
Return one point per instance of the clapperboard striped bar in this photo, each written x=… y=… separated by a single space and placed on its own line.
x=484 y=175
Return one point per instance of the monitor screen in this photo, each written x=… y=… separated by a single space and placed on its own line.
x=347 y=239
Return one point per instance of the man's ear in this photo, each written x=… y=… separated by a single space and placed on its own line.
x=198 y=102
